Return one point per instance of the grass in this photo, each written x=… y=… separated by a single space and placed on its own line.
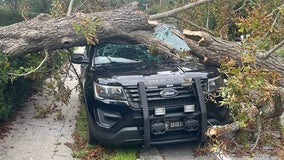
x=125 y=153
x=81 y=149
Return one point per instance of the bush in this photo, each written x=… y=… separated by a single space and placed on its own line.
x=9 y=16
x=13 y=93
x=15 y=90
x=3 y=81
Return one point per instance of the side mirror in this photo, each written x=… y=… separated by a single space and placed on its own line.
x=79 y=58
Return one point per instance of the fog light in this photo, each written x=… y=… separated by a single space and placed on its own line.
x=160 y=111
x=189 y=108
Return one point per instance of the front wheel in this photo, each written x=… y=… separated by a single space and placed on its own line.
x=220 y=115
x=91 y=137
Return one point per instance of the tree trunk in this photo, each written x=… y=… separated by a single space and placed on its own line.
x=125 y=25
x=214 y=50
x=221 y=130
x=43 y=32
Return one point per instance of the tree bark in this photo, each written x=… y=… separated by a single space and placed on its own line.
x=214 y=50
x=50 y=33
x=124 y=25
x=218 y=130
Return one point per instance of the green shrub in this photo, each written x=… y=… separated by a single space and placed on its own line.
x=15 y=90
x=13 y=93
x=9 y=16
x=4 y=65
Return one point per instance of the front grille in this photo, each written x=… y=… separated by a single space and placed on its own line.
x=186 y=95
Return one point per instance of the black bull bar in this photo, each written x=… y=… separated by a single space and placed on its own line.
x=145 y=110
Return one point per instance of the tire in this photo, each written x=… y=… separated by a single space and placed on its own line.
x=90 y=135
x=91 y=138
x=221 y=114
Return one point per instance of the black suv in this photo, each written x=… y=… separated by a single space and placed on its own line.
x=136 y=97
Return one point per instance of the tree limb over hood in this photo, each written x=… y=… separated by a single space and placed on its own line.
x=44 y=32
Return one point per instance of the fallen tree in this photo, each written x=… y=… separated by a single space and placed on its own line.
x=125 y=25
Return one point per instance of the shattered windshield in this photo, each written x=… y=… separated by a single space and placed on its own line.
x=128 y=54
x=114 y=53
x=108 y=55
x=165 y=32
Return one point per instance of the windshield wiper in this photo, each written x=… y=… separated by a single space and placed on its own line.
x=111 y=60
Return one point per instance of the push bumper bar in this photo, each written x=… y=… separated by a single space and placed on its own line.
x=146 y=117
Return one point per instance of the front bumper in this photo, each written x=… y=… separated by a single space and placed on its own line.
x=130 y=130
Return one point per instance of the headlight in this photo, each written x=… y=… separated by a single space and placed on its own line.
x=214 y=83
x=109 y=92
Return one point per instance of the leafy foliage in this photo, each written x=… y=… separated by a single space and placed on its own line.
x=58 y=8
x=246 y=87
x=4 y=65
x=87 y=27
x=280 y=51
x=250 y=89
x=249 y=86
x=16 y=85
x=12 y=93
x=16 y=89
x=9 y=16
x=42 y=6
x=262 y=25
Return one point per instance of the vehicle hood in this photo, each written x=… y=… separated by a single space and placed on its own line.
x=124 y=74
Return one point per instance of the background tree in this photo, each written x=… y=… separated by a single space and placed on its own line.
x=40 y=6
